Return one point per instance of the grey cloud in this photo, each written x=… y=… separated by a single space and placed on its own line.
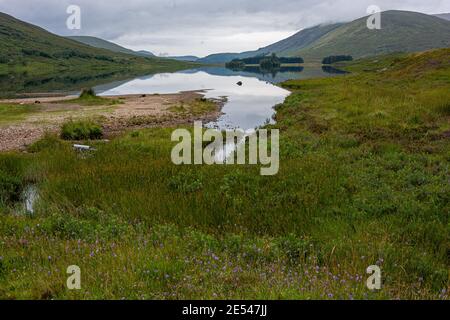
x=200 y=26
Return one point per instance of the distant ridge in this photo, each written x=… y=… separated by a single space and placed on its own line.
x=111 y=46
x=22 y=40
x=34 y=50
x=219 y=58
x=445 y=16
x=284 y=47
x=145 y=53
x=184 y=58
x=108 y=45
x=402 y=31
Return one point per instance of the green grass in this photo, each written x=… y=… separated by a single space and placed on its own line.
x=81 y=130
x=196 y=107
x=15 y=112
x=363 y=180
x=89 y=98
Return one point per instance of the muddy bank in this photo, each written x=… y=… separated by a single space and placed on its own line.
x=126 y=113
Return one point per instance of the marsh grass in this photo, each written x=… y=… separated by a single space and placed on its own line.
x=196 y=107
x=89 y=98
x=363 y=180
x=81 y=130
x=10 y=112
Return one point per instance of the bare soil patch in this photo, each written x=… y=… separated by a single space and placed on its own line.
x=127 y=112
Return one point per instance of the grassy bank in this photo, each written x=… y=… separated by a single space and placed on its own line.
x=364 y=180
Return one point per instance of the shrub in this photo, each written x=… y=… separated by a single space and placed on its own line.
x=67 y=54
x=36 y=53
x=88 y=93
x=104 y=58
x=81 y=130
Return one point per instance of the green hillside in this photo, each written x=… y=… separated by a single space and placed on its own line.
x=401 y=31
x=31 y=49
x=284 y=47
x=445 y=16
x=219 y=58
x=103 y=44
x=296 y=42
x=184 y=58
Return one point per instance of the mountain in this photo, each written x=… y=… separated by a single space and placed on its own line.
x=284 y=47
x=145 y=53
x=108 y=45
x=402 y=31
x=294 y=43
x=31 y=49
x=34 y=60
x=184 y=58
x=219 y=58
x=103 y=44
x=445 y=16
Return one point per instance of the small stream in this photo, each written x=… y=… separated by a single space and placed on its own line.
x=30 y=196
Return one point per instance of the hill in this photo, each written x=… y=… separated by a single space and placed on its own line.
x=185 y=58
x=145 y=53
x=219 y=58
x=296 y=42
x=445 y=16
x=282 y=48
x=103 y=44
x=26 y=47
x=402 y=31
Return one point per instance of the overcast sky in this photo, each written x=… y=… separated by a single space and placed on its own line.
x=200 y=27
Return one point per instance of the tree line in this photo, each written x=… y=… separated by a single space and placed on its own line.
x=334 y=59
x=271 y=61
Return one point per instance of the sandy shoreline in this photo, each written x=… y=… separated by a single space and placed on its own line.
x=132 y=112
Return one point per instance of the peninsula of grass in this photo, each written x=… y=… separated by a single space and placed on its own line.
x=81 y=130
x=88 y=97
x=364 y=180
x=195 y=107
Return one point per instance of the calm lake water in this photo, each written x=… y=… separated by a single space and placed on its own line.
x=247 y=107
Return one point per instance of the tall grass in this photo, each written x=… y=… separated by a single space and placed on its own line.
x=81 y=130
x=363 y=180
